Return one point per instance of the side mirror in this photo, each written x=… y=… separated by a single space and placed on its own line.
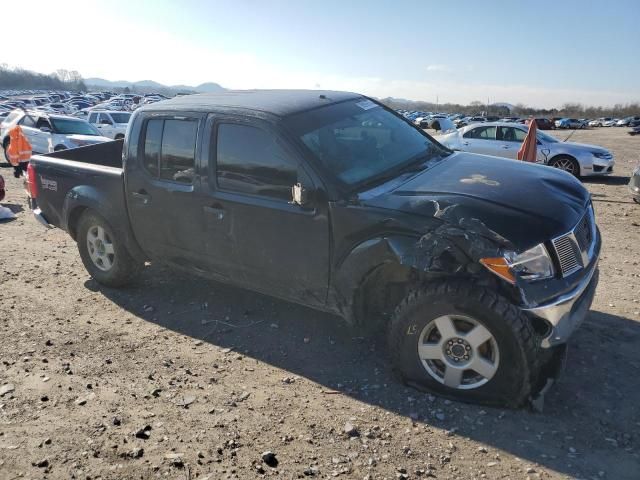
x=45 y=129
x=105 y=122
x=301 y=195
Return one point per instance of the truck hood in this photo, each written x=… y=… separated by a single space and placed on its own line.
x=524 y=203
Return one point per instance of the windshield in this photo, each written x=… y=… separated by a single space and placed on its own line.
x=69 y=127
x=121 y=117
x=546 y=138
x=359 y=141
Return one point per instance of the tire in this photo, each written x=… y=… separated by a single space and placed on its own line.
x=567 y=164
x=119 y=137
x=511 y=348
x=103 y=254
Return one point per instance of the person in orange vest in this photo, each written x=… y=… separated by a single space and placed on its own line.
x=19 y=151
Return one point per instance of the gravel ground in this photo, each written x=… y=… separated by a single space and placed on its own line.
x=178 y=377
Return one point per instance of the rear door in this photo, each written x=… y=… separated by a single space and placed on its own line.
x=510 y=140
x=481 y=139
x=255 y=234
x=161 y=189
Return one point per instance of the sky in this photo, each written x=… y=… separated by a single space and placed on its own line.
x=540 y=53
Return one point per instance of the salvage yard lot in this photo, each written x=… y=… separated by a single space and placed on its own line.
x=221 y=375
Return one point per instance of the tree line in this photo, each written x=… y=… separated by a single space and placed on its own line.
x=20 y=79
x=575 y=110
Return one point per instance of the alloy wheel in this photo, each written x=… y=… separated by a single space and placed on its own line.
x=458 y=351
x=101 y=248
x=565 y=164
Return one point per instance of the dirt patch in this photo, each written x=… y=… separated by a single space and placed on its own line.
x=178 y=377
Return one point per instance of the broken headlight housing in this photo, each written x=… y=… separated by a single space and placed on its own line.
x=531 y=265
x=534 y=264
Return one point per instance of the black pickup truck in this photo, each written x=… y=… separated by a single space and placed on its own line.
x=479 y=268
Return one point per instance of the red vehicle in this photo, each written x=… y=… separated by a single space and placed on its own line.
x=541 y=123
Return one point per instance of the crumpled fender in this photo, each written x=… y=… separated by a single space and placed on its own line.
x=453 y=248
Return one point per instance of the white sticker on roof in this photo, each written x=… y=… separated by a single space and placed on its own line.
x=366 y=105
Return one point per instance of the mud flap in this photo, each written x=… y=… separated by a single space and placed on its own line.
x=551 y=370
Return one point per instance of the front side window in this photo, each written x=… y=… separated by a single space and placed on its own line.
x=249 y=160
x=70 y=127
x=170 y=148
x=360 y=142
x=121 y=117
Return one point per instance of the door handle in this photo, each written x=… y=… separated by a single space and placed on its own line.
x=465 y=143
x=217 y=212
x=142 y=196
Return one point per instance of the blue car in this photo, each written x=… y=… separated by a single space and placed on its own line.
x=570 y=123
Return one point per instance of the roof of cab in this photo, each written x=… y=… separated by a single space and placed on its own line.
x=276 y=102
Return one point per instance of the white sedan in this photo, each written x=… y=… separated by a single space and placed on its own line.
x=502 y=139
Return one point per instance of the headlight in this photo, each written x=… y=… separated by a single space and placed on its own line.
x=603 y=155
x=533 y=264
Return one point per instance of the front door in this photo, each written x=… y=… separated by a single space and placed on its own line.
x=254 y=232
x=162 y=188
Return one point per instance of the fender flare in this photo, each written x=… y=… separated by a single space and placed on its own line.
x=363 y=259
x=84 y=197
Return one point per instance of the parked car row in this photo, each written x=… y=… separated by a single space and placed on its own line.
x=73 y=103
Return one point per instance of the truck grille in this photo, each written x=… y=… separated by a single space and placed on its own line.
x=575 y=249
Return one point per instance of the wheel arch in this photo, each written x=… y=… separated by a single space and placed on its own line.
x=85 y=198
x=570 y=157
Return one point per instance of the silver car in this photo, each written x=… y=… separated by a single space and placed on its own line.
x=502 y=139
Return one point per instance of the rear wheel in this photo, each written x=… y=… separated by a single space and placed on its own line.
x=465 y=342
x=103 y=253
x=568 y=164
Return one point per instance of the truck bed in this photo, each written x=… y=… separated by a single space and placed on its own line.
x=108 y=154
x=93 y=173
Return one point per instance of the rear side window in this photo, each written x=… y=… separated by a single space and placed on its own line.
x=152 y=141
x=249 y=160
x=93 y=118
x=178 y=150
x=483 y=133
x=169 y=149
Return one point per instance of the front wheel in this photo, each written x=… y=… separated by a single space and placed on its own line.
x=465 y=342
x=103 y=253
x=567 y=164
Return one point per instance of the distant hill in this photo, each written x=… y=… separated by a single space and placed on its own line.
x=144 y=86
